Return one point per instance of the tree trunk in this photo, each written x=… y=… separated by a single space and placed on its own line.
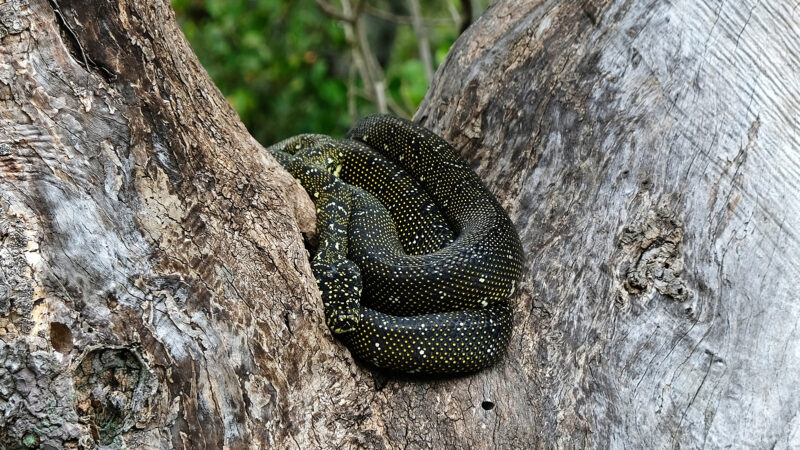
x=155 y=291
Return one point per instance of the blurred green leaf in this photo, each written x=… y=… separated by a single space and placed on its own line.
x=285 y=66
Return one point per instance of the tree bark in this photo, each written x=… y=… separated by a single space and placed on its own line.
x=155 y=290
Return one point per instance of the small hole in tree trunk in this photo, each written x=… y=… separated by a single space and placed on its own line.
x=60 y=337
x=487 y=405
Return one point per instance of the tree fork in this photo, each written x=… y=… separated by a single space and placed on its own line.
x=155 y=290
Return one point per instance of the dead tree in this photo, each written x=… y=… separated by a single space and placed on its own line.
x=155 y=290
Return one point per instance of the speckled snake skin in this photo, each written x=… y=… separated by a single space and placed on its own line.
x=417 y=259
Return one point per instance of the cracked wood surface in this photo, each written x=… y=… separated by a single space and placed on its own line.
x=155 y=291
x=647 y=152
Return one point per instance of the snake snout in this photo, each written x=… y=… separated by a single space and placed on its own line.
x=343 y=323
x=340 y=286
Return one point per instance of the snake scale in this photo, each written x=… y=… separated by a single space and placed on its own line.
x=417 y=259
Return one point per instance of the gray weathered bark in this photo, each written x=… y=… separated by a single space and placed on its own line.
x=155 y=292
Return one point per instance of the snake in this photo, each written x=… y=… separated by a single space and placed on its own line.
x=417 y=260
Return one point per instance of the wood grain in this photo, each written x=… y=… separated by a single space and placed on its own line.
x=155 y=290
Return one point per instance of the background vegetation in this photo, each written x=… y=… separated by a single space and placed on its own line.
x=291 y=67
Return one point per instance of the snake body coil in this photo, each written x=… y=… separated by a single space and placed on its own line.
x=416 y=259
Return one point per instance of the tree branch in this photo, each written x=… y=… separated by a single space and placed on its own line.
x=422 y=39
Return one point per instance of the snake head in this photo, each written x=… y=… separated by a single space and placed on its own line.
x=340 y=286
x=343 y=322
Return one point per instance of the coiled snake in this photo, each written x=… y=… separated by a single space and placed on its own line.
x=417 y=259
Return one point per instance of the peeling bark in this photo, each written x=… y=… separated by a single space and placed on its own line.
x=155 y=290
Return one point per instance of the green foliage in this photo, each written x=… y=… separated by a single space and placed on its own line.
x=274 y=61
x=285 y=66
